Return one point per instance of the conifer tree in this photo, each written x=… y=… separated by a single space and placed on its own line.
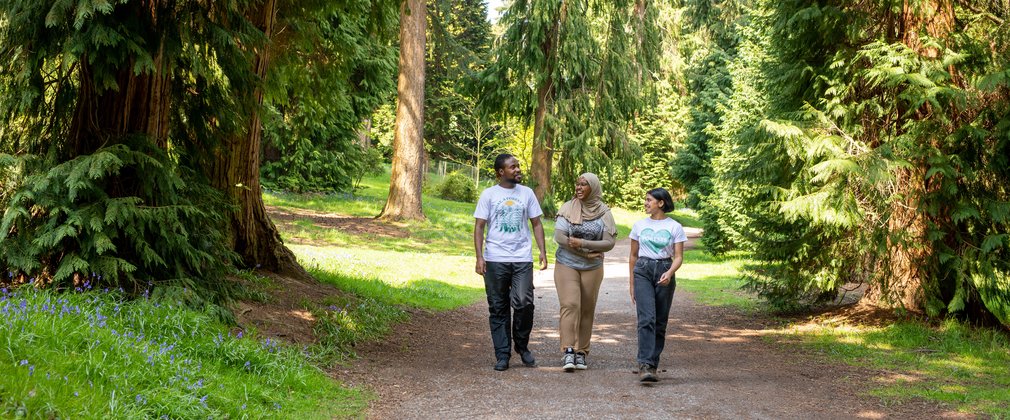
x=573 y=68
x=459 y=40
x=109 y=111
x=404 y=201
x=334 y=64
x=877 y=154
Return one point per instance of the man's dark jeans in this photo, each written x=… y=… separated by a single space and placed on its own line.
x=653 y=305
x=509 y=285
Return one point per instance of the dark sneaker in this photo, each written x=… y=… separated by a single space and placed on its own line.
x=568 y=363
x=580 y=361
x=528 y=359
x=647 y=373
x=503 y=364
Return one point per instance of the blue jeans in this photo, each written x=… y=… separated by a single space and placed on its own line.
x=509 y=285
x=653 y=303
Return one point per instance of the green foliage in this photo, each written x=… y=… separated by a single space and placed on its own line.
x=848 y=152
x=331 y=73
x=457 y=186
x=76 y=222
x=657 y=133
x=588 y=63
x=305 y=167
x=459 y=37
x=110 y=110
x=59 y=57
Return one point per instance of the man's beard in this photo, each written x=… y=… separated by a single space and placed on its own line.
x=514 y=181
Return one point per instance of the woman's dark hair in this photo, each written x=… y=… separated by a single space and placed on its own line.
x=664 y=196
x=499 y=162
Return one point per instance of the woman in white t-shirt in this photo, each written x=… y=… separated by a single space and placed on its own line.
x=657 y=251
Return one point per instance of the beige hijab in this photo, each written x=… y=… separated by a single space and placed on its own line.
x=589 y=208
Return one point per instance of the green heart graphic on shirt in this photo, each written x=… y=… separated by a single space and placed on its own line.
x=655 y=240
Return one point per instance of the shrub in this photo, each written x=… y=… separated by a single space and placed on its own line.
x=457 y=187
x=125 y=216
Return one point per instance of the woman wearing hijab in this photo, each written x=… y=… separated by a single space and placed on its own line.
x=585 y=229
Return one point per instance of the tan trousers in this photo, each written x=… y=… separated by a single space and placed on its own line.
x=577 y=292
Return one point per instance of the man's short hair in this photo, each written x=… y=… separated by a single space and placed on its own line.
x=499 y=162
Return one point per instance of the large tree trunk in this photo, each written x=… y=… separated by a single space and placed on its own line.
x=140 y=105
x=404 y=200
x=543 y=139
x=543 y=144
x=235 y=170
x=910 y=246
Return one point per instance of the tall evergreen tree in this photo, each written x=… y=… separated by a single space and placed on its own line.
x=334 y=64
x=573 y=68
x=404 y=200
x=108 y=137
x=459 y=39
x=235 y=169
x=880 y=154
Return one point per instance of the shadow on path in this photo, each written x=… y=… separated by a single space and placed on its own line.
x=716 y=365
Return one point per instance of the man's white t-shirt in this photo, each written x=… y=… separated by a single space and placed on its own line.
x=656 y=238
x=507 y=211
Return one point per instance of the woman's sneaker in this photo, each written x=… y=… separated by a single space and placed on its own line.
x=580 y=361
x=568 y=363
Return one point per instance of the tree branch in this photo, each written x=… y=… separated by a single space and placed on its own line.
x=971 y=6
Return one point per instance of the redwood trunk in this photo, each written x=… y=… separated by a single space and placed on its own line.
x=404 y=200
x=140 y=105
x=910 y=246
x=235 y=171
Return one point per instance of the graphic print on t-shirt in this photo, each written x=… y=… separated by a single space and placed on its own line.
x=655 y=240
x=508 y=215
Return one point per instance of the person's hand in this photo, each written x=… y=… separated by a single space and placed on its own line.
x=594 y=255
x=543 y=261
x=481 y=266
x=631 y=291
x=665 y=278
x=574 y=243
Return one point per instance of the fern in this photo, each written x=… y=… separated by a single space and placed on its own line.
x=62 y=226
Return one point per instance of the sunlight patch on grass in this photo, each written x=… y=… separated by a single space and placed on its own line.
x=413 y=279
x=716 y=280
x=951 y=363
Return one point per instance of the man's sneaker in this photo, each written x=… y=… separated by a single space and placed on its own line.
x=568 y=364
x=647 y=373
x=503 y=364
x=580 y=361
x=528 y=358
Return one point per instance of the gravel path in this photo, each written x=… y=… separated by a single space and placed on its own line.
x=716 y=365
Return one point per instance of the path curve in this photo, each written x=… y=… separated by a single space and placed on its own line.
x=716 y=365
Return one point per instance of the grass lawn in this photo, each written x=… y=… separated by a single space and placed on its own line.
x=964 y=367
x=96 y=355
x=716 y=281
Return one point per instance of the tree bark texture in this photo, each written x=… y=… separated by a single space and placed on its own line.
x=235 y=170
x=908 y=224
x=404 y=202
x=141 y=104
x=543 y=138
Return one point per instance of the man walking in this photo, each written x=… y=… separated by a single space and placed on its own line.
x=505 y=258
